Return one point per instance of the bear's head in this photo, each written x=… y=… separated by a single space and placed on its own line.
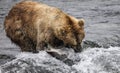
x=78 y=28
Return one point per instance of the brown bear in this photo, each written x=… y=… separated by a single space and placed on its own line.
x=33 y=26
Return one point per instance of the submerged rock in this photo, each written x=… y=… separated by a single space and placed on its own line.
x=90 y=44
x=5 y=58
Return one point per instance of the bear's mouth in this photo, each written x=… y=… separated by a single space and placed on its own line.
x=59 y=44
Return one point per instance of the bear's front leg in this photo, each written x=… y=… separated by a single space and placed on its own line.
x=41 y=46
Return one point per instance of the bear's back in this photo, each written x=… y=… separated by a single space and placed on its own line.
x=28 y=17
x=32 y=13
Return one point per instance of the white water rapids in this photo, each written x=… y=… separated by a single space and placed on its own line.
x=91 y=60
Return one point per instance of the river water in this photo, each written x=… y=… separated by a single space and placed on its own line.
x=101 y=45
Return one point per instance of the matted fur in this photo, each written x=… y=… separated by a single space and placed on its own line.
x=33 y=25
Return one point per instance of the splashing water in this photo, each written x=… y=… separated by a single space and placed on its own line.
x=99 y=60
x=91 y=60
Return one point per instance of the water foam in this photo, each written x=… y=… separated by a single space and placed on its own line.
x=91 y=60
x=96 y=60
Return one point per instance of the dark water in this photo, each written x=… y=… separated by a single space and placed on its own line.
x=102 y=27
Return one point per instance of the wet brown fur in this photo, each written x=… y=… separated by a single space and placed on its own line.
x=33 y=25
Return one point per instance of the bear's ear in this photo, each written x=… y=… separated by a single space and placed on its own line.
x=81 y=22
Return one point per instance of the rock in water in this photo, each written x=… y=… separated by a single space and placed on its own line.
x=91 y=44
x=62 y=54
